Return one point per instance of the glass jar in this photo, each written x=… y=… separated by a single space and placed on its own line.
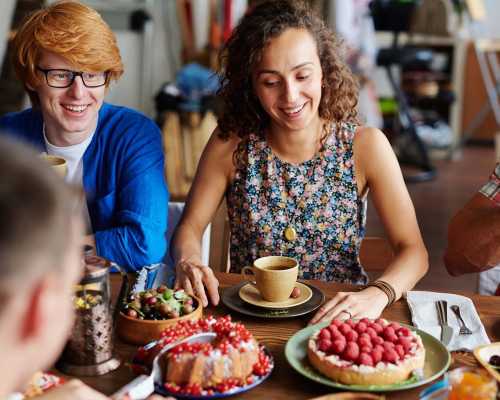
x=89 y=350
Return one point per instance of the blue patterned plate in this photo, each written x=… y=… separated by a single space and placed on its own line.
x=257 y=380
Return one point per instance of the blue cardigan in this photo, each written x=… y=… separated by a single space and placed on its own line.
x=123 y=178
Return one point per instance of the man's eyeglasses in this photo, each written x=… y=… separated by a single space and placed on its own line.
x=63 y=78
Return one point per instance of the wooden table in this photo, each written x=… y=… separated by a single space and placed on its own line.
x=285 y=383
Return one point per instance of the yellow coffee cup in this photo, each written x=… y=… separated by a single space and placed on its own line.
x=275 y=276
x=59 y=164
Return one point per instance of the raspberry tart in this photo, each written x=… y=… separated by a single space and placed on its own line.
x=232 y=359
x=366 y=352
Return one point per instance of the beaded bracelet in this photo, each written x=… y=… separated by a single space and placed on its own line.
x=386 y=288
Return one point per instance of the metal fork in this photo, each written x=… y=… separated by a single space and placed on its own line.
x=463 y=328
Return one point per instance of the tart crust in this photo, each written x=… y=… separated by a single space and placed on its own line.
x=351 y=374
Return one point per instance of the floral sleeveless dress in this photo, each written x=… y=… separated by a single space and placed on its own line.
x=319 y=198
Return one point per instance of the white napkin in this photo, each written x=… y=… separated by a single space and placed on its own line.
x=424 y=316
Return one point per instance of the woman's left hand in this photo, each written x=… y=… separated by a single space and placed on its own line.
x=367 y=303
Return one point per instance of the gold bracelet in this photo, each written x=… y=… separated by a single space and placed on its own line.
x=386 y=288
x=391 y=289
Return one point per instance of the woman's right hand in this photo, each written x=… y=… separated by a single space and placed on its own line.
x=197 y=279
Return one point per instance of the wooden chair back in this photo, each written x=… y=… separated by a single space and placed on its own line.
x=219 y=240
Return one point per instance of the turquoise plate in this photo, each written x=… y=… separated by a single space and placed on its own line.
x=437 y=361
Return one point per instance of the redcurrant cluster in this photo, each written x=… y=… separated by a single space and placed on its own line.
x=263 y=365
x=192 y=389
x=227 y=384
x=195 y=389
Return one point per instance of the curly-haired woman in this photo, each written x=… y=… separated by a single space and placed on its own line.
x=296 y=168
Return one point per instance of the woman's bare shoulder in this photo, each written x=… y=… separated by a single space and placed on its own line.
x=219 y=154
x=222 y=144
x=371 y=144
x=372 y=154
x=369 y=136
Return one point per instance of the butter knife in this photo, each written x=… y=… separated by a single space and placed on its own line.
x=446 y=334
x=446 y=330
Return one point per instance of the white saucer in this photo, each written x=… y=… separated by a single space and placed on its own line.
x=251 y=295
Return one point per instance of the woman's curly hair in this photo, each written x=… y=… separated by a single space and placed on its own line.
x=242 y=113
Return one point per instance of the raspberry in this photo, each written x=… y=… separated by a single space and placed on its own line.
x=382 y=322
x=336 y=322
x=371 y=332
x=324 y=345
x=344 y=328
x=388 y=345
x=379 y=348
x=338 y=336
x=395 y=325
x=351 y=352
x=351 y=336
x=333 y=329
x=377 y=327
x=377 y=340
x=365 y=359
x=388 y=331
x=361 y=327
x=365 y=321
x=390 y=355
x=325 y=334
x=392 y=338
x=399 y=349
x=364 y=341
x=338 y=346
x=365 y=349
x=377 y=355
x=404 y=331
x=351 y=323
x=406 y=343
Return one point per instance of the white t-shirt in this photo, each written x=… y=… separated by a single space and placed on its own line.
x=74 y=158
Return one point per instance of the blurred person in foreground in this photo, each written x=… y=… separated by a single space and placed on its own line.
x=40 y=262
x=66 y=56
x=474 y=237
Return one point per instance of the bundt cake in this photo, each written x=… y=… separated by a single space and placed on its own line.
x=366 y=352
x=233 y=358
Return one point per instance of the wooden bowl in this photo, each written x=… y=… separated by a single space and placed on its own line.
x=142 y=331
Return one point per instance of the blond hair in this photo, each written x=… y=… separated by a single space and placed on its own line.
x=71 y=30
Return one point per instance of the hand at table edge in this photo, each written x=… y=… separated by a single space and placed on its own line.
x=197 y=279
x=367 y=303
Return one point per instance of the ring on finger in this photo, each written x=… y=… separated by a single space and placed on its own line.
x=347 y=312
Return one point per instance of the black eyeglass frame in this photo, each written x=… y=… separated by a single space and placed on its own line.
x=74 y=75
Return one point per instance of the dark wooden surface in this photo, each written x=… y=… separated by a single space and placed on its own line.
x=284 y=382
